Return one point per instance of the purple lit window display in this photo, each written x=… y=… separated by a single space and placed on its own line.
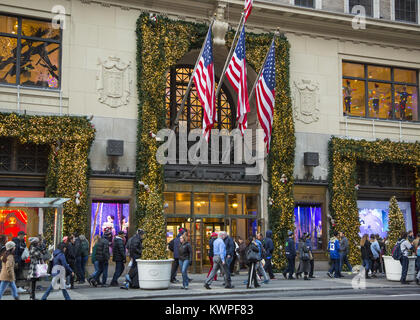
x=114 y=216
x=308 y=218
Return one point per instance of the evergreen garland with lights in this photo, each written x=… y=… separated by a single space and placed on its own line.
x=70 y=139
x=396 y=224
x=343 y=156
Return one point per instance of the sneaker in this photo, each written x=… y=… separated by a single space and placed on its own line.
x=207 y=286
x=285 y=275
x=125 y=287
x=104 y=285
x=266 y=281
x=329 y=274
x=185 y=288
x=189 y=279
x=229 y=287
x=405 y=282
x=312 y=277
x=21 y=290
x=114 y=284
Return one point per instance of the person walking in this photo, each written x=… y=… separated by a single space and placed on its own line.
x=213 y=237
x=118 y=256
x=304 y=259
x=185 y=258
x=35 y=254
x=93 y=256
x=242 y=255
x=308 y=243
x=290 y=256
x=219 y=261
x=3 y=240
x=405 y=252
x=417 y=251
x=252 y=252
x=78 y=255
x=19 y=262
x=102 y=256
x=135 y=249
x=334 y=250
x=174 y=247
x=71 y=257
x=234 y=266
x=7 y=274
x=84 y=256
x=381 y=243
x=376 y=253
x=230 y=253
x=366 y=254
x=269 y=248
x=59 y=260
x=261 y=256
x=344 y=251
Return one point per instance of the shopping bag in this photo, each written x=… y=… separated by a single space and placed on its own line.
x=41 y=270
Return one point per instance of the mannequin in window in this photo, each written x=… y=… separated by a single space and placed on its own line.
x=403 y=101
x=347 y=97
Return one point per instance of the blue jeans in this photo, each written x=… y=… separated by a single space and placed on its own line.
x=366 y=265
x=228 y=263
x=82 y=267
x=102 y=269
x=344 y=260
x=335 y=265
x=5 y=284
x=184 y=264
x=50 y=288
x=119 y=269
x=404 y=263
x=290 y=266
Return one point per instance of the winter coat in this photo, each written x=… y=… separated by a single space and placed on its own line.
x=268 y=244
x=242 y=253
x=376 y=250
x=185 y=251
x=8 y=269
x=35 y=254
x=77 y=248
x=230 y=246
x=136 y=247
x=290 y=248
x=60 y=259
x=177 y=243
x=334 y=248
x=20 y=247
x=93 y=257
x=102 y=250
x=118 y=250
x=304 y=265
x=344 y=245
x=366 y=251
x=84 y=245
x=71 y=253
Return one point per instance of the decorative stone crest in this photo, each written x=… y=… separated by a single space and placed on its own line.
x=114 y=82
x=306 y=100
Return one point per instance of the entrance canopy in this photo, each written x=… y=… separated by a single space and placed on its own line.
x=56 y=203
x=33 y=202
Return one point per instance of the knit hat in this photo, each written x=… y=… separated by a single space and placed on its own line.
x=214 y=234
x=10 y=245
x=33 y=239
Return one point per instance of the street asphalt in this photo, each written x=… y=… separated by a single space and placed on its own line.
x=322 y=287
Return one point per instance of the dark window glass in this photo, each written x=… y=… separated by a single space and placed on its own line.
x=406 y=10
x=305 y=3
x=380 y=92
x=367 y=4
x=30 y=52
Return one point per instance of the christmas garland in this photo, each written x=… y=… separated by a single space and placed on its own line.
x=70 y=139
x=343 y=155
x=161 y=42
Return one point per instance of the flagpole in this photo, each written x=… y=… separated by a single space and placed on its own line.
x=232 y=48
x=191 y=80
x=262 y=68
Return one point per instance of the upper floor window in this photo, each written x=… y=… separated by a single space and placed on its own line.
x=30 y=52
x=382 y=92
x=305 y=3
x=406 y=10
x=367 y=4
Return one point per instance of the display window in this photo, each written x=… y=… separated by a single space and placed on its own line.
x=308 y=218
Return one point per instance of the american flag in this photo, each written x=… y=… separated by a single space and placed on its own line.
x=248 y=8
x=265 y=95
x=236 y=73
x=204 y=83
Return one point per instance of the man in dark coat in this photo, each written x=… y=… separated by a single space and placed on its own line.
x=78 y=254
x=118 y=255
x=290 y=255
x=230 y=253
x=20 y=264
x=269 y=248
x=71 y=258
x=102 y=256
x=135 y=249
x=175 y=246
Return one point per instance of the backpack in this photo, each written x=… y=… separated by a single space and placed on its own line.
x=396 y=251
x=171 y=245
x=305 y=253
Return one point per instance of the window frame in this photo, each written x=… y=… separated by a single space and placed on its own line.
x=392 y=82
x=394 y=11
x=317 y=4
x=19 y=37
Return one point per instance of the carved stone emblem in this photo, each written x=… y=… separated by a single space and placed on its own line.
x=114 y=82
x=306 y=100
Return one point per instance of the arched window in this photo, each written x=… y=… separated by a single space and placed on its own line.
x=176 y=86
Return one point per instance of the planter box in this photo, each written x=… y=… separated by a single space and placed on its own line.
x=154 y=274
x=393 y=268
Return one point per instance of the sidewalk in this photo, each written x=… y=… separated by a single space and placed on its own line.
x=196 y=289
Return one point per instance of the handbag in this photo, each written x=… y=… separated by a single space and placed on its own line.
x=41 y=270
x=25 y=254
x=252 y=253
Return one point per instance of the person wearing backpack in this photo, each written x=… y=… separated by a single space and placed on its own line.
x=334 y=250
x=405 y=251
x=262 y=255
x=290 y=251
x=84 y=256
x=251 y=253
x=304 y=259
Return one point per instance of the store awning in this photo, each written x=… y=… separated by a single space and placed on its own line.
x=33 y=202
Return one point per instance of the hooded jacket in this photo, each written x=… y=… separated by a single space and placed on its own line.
x=102 y=250
x=230 y=246
x=290 y=247
x=118 y=250
x=177 y=243
x=334 y=248
x=60 y=259
x=268 y=244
